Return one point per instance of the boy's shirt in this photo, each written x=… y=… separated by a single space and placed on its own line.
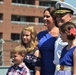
x=18 y=70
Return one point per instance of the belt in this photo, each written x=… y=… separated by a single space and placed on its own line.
x=57 y=67
x=62 y=67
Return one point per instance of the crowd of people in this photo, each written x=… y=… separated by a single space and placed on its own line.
x=50 y=52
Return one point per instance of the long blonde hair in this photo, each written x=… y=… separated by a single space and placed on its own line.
x=34 y=42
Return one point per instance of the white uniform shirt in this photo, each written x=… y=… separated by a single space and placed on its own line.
x=59 y=44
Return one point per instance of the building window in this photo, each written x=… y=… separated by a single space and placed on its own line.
x=19 y=1
x=1 y=0
x=20 y=18
x=53 y=3
x=31 y=2
x=47 y=3
x=40 y=19
x=30 y=19
x=24 y=1
x=15 y=36
x=1 y=16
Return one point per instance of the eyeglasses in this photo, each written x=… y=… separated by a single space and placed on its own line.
x=47 y=16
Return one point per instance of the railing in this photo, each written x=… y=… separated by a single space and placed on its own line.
x=4 y=69
x=28 y=5
x=27 y=23
x=1 y=50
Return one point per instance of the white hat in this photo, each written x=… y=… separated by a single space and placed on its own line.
x=65 y=6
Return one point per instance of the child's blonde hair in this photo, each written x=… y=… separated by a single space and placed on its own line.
x=19 y=49
x=34 y=42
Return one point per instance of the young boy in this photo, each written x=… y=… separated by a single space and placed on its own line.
x=19 y=67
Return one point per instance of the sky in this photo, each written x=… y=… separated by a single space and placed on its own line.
x=72 y=2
